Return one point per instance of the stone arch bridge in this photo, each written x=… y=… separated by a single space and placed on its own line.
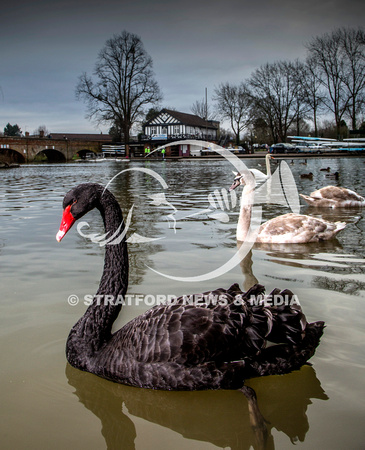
x=26 y=149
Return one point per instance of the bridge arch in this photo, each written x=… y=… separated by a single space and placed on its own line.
x=49 y=149
x=8 y=155
x=84 y=153
x=50 y=155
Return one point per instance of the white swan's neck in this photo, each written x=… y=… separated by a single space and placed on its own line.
x=268 y=167
x=244 y=220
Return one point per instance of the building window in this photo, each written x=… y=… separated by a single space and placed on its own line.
x=153 y=130
x=176 y=129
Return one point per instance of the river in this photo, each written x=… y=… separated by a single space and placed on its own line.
x=48 y=404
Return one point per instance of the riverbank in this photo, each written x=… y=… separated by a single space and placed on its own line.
x=301 y=155
x=210 y=157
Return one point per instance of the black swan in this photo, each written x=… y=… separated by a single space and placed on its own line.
x=180 y=346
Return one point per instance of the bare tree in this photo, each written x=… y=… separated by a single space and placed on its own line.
x=339 y=57
x=124 y=84
x=201 y=109
x=312 y=90
x=276 y=92
x=42 y=130
x=234 y=104
x=353 y=45
x=301 y=107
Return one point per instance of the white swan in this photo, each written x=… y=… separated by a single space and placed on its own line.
x=334 y=197
x=259 y=175
x=287 y=229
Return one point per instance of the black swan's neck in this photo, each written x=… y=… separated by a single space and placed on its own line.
x=94 y=328
x=114 y=280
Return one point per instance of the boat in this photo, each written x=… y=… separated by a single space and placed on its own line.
x=318 y=145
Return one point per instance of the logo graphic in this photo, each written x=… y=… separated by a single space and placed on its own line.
x=280 y=188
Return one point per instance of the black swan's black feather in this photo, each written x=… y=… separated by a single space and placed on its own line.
x=182 y=346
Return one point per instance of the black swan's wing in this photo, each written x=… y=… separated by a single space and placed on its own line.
x=223 y=326
x=213 y=346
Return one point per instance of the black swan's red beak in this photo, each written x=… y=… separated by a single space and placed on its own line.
x=66 y=223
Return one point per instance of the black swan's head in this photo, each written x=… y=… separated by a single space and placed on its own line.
x=76 y=203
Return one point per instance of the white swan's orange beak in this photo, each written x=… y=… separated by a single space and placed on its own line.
x=66 y=223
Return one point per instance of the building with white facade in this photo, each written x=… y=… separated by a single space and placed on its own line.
x=169 y=125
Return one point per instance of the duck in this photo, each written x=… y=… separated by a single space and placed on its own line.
x=325 y=169
x=307 y=175
x=333 y=176
x=259 y=175
x=289 y=228
x=334 y=197
x=180 y=345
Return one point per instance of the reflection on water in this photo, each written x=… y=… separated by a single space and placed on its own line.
x=217 y=417
x=39 y=407
x=246 y=265
x=318 y=256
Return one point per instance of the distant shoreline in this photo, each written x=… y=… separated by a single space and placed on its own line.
x=301 y=155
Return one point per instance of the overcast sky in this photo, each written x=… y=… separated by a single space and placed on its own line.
x=46 y=45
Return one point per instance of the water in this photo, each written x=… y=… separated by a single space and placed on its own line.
x=48 y=404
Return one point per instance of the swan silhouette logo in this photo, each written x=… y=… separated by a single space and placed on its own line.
x=220 y=201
